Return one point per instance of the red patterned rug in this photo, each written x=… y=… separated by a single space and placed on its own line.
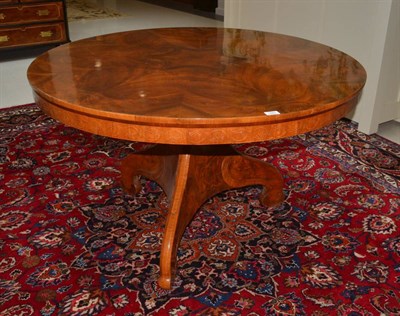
x=72 y=242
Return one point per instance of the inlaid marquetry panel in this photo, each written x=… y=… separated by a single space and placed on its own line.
x=30 y=23
x=13 y=15
x=30 y=35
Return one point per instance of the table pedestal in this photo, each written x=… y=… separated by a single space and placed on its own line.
x=189 y=175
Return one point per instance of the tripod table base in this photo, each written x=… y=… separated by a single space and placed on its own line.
x=189 y=175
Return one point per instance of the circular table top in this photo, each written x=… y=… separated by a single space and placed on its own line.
x=196 y=85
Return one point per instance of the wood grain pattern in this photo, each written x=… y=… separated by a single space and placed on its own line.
x=195 y=91
x=24 y=14
x=31 y=24
x=196 y=85
x=191 y=175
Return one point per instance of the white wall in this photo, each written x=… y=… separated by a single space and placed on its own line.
x=368 y=30
x=388 y=94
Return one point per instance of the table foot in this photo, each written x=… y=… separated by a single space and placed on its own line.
x=191 y=175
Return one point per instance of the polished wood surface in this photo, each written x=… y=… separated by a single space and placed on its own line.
x=40 y=12
x=32 y=23
x=191 y=175
x=196 y=85
x=195 y=91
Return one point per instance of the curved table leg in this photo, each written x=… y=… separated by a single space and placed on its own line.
x=191 y=175
x=157 y=164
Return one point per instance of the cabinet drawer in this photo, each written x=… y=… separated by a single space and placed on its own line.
x=32 y=13
x=33 y=35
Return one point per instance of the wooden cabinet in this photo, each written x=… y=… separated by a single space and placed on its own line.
x=32 y=23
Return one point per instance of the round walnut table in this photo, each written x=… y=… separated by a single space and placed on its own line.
x=195 y=92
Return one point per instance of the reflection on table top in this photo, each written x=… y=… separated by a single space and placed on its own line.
x=197 y=77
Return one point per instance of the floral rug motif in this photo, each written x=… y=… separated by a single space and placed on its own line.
x=84 y=10
x=72 y=242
